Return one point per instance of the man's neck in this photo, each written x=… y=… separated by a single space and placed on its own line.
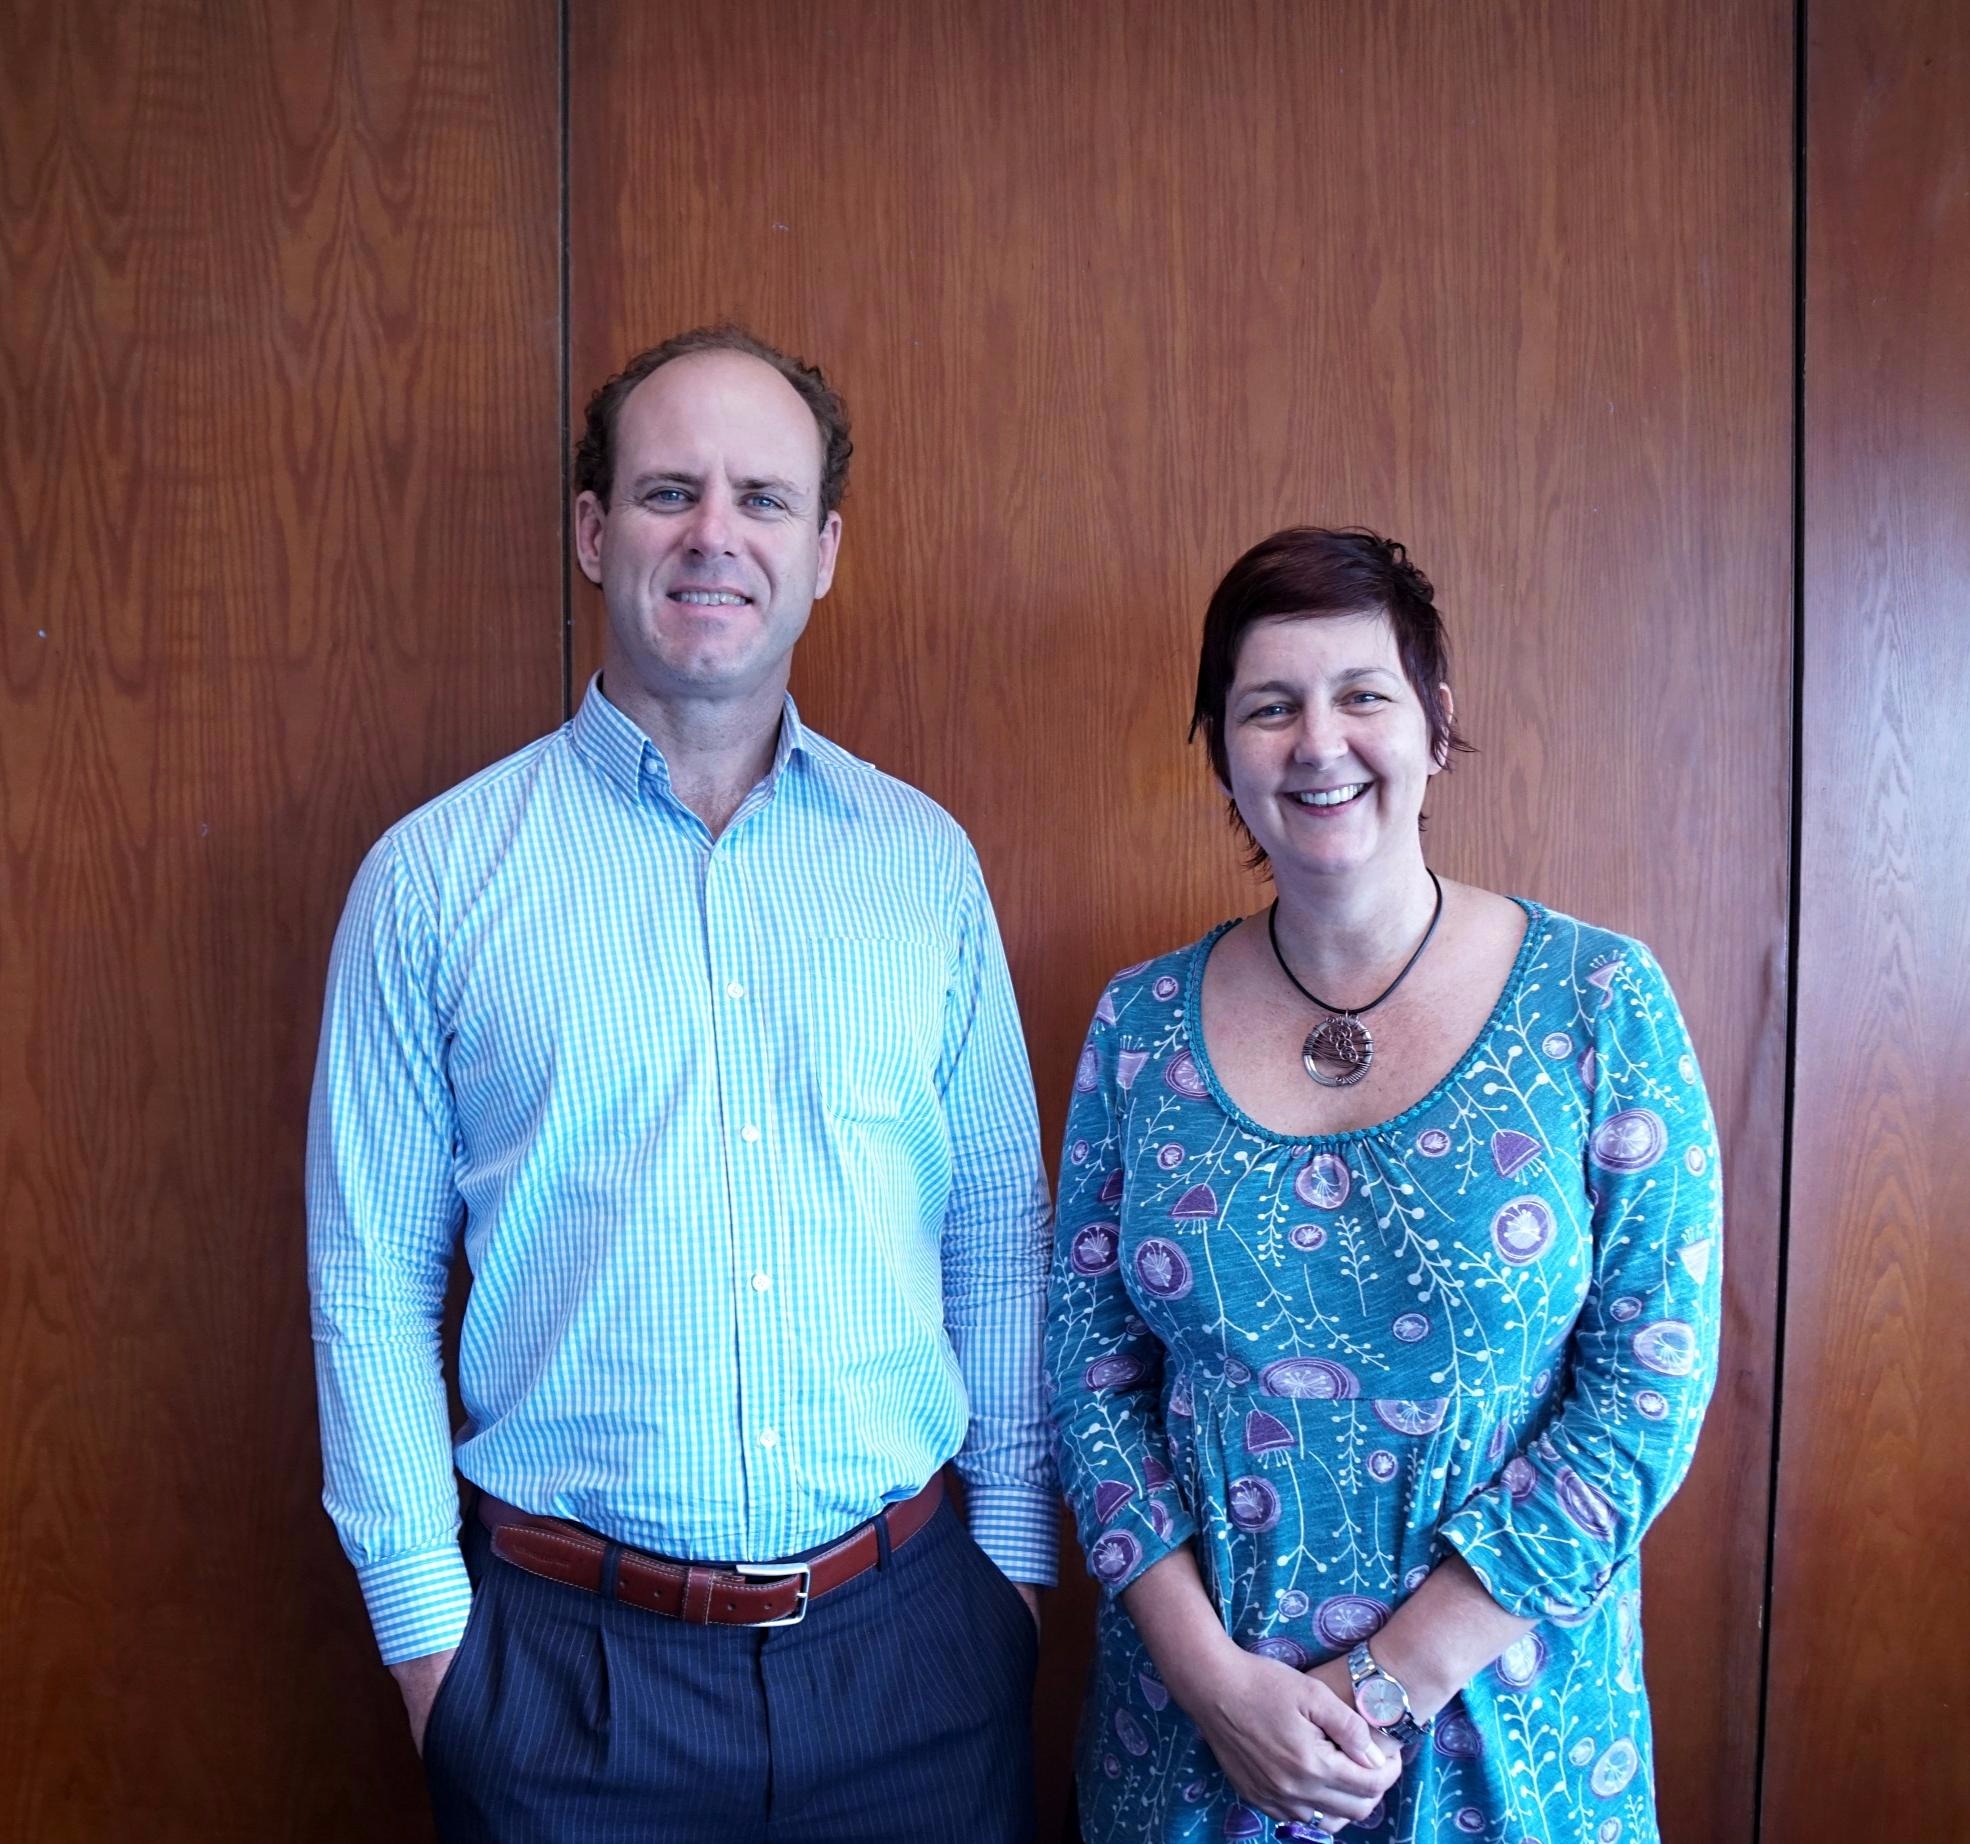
x=717 y=750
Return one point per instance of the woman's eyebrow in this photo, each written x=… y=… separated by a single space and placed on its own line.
x=1352 y=673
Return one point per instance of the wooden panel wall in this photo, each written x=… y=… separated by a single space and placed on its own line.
x=279 y=530
x=1112 y=289
x=1870 y=1649
x=1115 y=289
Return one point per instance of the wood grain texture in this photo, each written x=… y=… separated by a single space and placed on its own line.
x=1114 y=290
x=1869 y=1618
x=279 y=558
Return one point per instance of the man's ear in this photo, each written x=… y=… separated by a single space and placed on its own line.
x=590 y=517
x=824 y=574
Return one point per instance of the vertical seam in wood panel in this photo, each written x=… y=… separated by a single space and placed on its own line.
x=563 y=434
x=1799 y=231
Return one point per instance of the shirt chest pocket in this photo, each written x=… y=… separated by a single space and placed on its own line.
x=866 y=1023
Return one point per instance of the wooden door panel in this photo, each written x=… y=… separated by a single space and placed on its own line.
x=1870 y=1645
x=279 y=435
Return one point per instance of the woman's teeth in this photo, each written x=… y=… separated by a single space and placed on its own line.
x=1333 y=797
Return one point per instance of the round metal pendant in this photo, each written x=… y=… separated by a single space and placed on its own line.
x=1344 y=1046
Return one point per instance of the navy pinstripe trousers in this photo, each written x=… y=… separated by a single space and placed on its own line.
x=899 y=1709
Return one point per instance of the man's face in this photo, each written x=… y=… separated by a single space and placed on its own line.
x=712 y=553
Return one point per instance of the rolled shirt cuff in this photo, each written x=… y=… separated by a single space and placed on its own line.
x=418 y=1604
x=1019 y=1528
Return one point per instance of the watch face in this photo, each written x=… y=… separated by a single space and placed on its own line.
x=1381 y=1700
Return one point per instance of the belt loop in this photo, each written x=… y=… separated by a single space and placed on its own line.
x=696 y=1607
x=882 y=1538
x=611 y=1563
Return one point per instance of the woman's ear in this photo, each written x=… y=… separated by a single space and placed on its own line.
x=1448 y=705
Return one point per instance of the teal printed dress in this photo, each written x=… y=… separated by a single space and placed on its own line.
x=1487 y=1325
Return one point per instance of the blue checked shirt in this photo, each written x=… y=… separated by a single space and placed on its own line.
x=741 y=1138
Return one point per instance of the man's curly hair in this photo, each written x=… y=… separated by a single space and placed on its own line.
x=595 y=453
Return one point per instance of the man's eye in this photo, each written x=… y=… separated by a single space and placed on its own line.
x=765 y=501
x=663 y=496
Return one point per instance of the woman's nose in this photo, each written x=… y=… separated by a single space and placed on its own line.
x=1318 y=739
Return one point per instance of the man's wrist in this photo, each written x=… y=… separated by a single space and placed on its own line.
x=414 y=1673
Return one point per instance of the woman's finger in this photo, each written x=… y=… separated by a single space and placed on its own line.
x=1343 y=1725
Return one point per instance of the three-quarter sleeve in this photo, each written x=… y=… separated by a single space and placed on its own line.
x=1548 y=1533
x=1104 y=1364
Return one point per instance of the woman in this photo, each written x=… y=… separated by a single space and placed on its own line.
x=1385 y=1293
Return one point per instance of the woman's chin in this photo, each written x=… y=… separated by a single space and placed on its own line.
x=1323 y=858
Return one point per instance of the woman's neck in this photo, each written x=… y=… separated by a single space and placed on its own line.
x=1343 y=933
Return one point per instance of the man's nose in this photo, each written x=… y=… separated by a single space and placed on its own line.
x=711 y=525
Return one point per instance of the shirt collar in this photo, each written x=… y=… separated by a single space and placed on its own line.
x=623 y=753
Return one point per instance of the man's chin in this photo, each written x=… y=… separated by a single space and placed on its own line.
x=718 y=677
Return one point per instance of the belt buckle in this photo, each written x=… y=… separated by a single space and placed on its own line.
x=770 y=1571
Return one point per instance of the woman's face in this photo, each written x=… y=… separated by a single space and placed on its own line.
x=1327 y=743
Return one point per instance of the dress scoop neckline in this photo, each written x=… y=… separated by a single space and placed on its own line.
x=1193 y=1027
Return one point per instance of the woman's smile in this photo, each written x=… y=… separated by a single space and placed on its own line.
x=1329 y=800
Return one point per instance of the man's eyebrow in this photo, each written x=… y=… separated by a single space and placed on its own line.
x=770 y=483
x=788 y=490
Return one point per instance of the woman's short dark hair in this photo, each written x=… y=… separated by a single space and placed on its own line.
x=595 y=453
x=1309 y=571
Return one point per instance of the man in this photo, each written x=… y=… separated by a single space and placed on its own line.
x=699 y=1030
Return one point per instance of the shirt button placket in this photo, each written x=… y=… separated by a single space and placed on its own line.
x=737 y=1028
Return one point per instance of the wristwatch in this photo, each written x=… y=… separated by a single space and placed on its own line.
x=1383 y=1700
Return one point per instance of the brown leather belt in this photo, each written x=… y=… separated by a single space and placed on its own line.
x=747 y=1594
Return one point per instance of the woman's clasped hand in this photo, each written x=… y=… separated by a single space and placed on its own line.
x=1290 y=1746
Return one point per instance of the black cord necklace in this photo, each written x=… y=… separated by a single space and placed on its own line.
x=1342 y=1039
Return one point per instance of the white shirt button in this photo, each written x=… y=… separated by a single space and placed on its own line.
x=767 y=1438
x=734 y=990
x=749 y=1133
x=760 y=1282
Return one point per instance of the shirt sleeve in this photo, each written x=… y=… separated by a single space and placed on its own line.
x=1104 y=1364
x=1571 y=1508
x=383 y=1216
x=995 y=1241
